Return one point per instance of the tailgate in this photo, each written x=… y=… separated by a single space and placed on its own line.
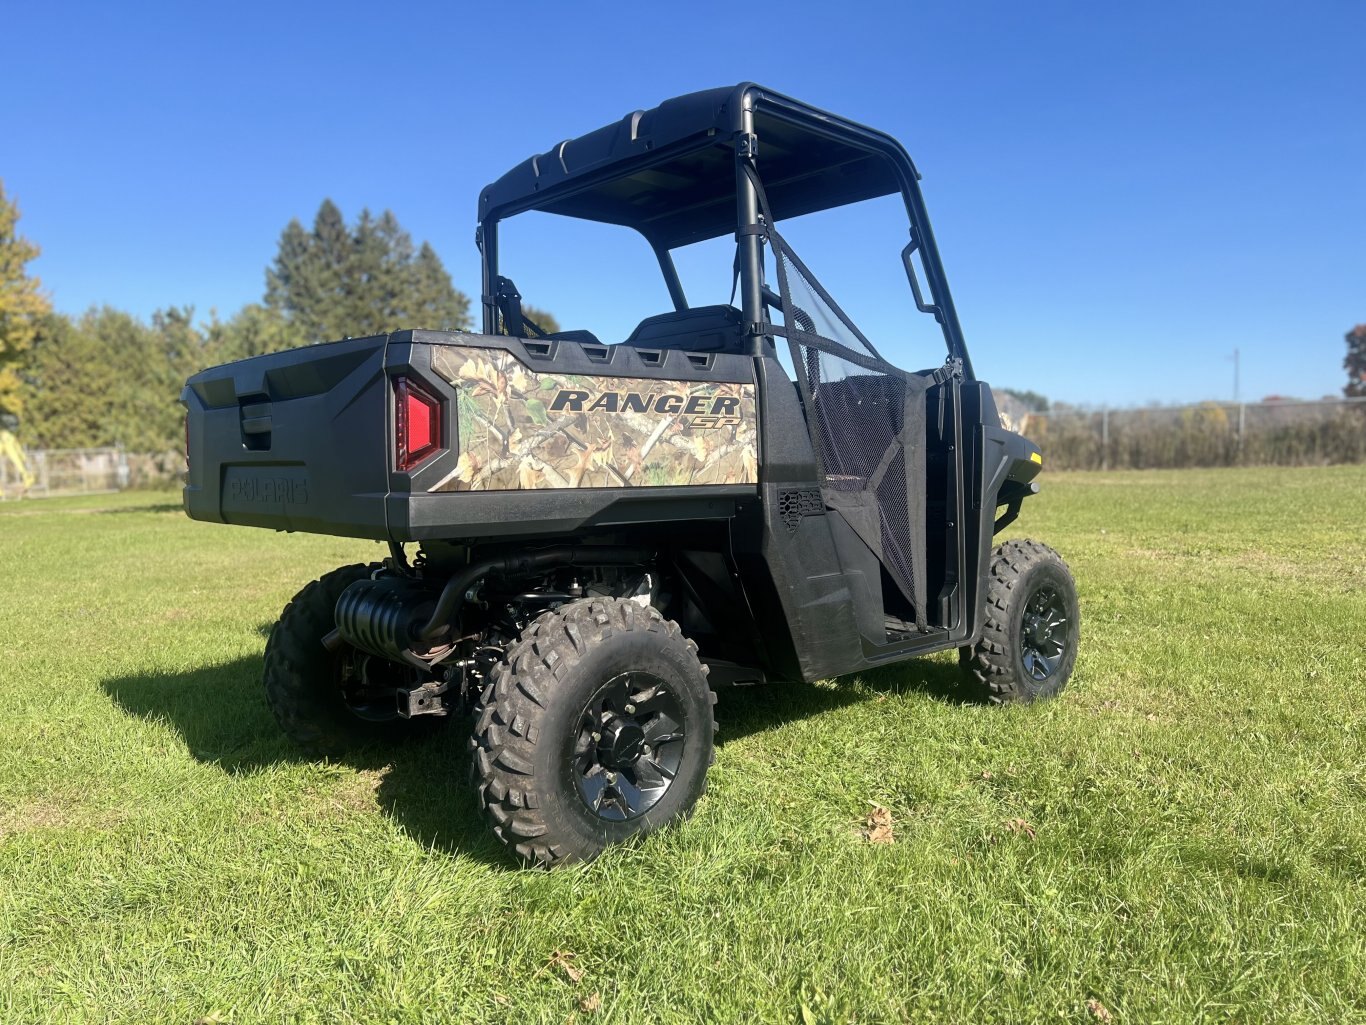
x=293 y=440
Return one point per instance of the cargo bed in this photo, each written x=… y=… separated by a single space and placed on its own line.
x=421 y=435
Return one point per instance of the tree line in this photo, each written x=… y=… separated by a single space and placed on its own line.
x=107 y=377
x=1210 y=434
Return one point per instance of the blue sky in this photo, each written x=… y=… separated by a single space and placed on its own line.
x=1122 y=194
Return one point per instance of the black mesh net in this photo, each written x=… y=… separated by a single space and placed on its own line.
x=858 y=407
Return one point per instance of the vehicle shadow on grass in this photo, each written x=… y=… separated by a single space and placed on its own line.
x=221 y=714
x=167 y=506
x=744 y=711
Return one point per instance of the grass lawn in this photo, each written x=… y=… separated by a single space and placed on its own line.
x=1180 y=838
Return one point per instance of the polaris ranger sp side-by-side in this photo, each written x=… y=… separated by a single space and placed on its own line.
x=607 y=529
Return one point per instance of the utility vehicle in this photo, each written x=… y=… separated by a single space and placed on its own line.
x=607 y=529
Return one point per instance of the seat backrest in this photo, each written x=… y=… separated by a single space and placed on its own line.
x=703 y=329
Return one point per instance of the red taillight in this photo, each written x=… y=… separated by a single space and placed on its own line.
x=417 y=424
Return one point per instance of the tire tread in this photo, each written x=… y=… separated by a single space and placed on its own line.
x=296 y=674
x=991 y=662
x=509 y=711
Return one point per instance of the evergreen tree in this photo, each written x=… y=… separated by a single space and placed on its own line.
x=22 y=306
x=336 y=282
x=434 y=301
x=1355 y=363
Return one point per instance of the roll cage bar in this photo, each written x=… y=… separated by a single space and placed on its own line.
x=677 y=175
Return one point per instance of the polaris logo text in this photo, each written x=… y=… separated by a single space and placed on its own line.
x=268 y=490
x=705 y=410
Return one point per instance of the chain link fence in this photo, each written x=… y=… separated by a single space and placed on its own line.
x=54 y=472
x=65 y=471
x=1208 y=434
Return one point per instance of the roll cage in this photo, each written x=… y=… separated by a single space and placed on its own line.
x=702 y=165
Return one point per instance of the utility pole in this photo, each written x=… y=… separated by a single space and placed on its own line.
x=1242 y=411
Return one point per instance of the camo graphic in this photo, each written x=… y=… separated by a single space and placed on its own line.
x=521 y=430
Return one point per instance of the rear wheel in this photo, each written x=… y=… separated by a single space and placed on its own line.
x=1032 y=626
x=597 y=727
x=330 y=702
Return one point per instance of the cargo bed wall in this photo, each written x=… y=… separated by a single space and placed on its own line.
x=525 y=428
x=536 y=438
x=557 y=436
x=296 y=440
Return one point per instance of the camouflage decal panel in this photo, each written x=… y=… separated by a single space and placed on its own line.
x=520 y=430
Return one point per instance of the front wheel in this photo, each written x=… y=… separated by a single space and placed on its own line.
x=1032 y=625
x=595 y=728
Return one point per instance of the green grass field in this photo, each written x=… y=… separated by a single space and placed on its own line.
x=1180 y=838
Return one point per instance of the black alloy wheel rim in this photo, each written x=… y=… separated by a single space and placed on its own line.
x=1044 y=633
x=627 y=746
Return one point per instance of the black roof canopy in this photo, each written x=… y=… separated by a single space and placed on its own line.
x=669 y=172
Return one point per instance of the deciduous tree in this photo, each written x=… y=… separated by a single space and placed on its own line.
x=543 y=319
x=1031 y=400
x=252 y=331
x=22 y=305
x=78 y=390
x=108 y=378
